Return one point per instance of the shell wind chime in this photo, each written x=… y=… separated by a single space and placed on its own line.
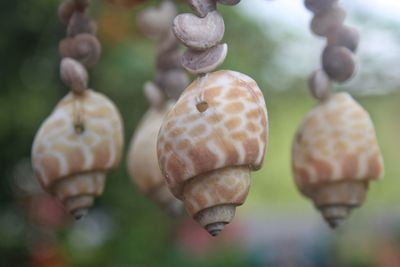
x=335 y=152
x=217 y=132
x=142 y=159
x=82 y=139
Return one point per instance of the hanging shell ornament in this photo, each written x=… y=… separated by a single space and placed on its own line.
x=210 y=141
x=142 y=160
x=335 y=156
x=75 y=148
x=82 y=139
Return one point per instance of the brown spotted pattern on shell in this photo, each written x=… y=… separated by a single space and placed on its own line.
x=336 y=144
x=217 y=127
x=142 y=160
x=72 y=164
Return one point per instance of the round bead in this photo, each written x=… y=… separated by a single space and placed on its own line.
x=338 y=63
x=327 y=20
x=344 y=36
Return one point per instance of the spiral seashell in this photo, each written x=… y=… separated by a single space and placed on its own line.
x=68 y=7
x=199 y=33
x=74 y=75
x=156 y=21
x=319 y=84
x=142 y=160
x=335 y=155
x=81 y=23
x=84 y=47
x=199 y=62
x=75 y=147
x=210 y=141
x=202 y=7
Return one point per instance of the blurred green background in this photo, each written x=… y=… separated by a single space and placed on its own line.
x=275 y=227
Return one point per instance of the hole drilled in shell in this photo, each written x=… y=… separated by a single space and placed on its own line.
x=79 y=128
x=202 y=106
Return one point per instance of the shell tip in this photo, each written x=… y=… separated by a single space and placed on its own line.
x=335 y=215
x=335 y=222
x=215 y=229
x=79 y=213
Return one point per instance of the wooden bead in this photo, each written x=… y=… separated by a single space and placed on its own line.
x=198 y=62
x=84 y=47
x=320 y=85
x=344 y=36
x=202 y=7
x=199 y=33
x=319 y=5
x=74 y=75
x=81 y=23
x=338 y=63
x=327 y=19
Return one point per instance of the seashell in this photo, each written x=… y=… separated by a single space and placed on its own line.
x=320 y=85
x=229 y=2
x=75 y=147
x=199 y=62
x=210 y=141
x=142 y=160
x=84 y=47
x=68 y=7
x=156 y=21
x=74 y=75
x=153 y=95
x=172 y=82
x=81 y=23
x=199 y=33
x=327 y=20
x=202 y=7
x=344 y=36
x=168 y=44
x=335 y=155
x=169 y=60
x=338 y=62
x=319 y=5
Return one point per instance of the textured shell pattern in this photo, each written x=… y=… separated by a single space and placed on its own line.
x=142 y=157
x=231 y=131
x=336 y=142
x=58 y=151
